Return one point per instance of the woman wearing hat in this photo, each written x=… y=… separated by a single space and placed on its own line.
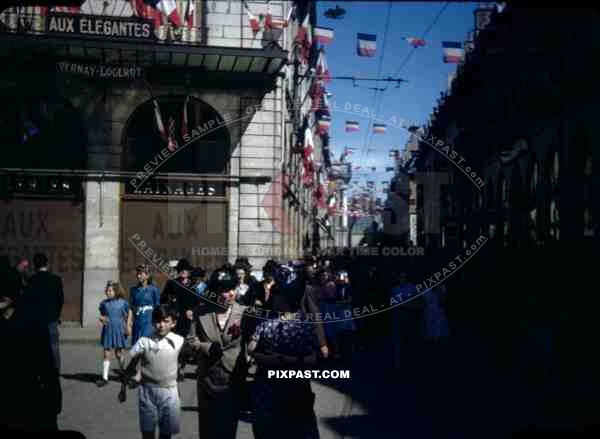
x=220 y=353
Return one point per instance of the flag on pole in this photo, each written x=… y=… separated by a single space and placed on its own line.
x=268 y=19
x=285 y=23
x=352 y=126
x=254 y=23
x=303 y=34
x=323 y=123
x=323 y=35
x=159 y=123
x=366 y=44
x=415 y=42
x=184 y=117
x=453 y=52
x=67 y=9
x=167 y=7
x=309 y=145
x=322 y=69
x=190 y=13
x=172 y=145
x=379 y=128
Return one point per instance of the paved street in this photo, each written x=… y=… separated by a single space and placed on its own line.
x=456 y=399
x=98 y=414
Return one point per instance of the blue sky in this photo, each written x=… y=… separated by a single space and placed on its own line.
x=425 y=70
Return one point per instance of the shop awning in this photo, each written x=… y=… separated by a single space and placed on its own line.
x=244 y=65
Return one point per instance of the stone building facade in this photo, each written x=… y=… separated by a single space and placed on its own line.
x=516 y=219
x=519 y=128
x=95 y=180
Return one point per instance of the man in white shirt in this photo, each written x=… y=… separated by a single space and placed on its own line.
x=158 y=395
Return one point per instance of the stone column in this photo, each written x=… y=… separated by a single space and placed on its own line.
x=101 y=261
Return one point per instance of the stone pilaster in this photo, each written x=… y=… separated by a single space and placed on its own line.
x=101 y=261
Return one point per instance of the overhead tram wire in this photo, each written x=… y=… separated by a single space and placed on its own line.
x=375 y=92
x=423 y=35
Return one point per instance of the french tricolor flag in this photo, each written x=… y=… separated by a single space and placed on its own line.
x=254 y=22
x=322 y=69
x=378 y=128
x=366 y=44
x=453 y=52
x=415 y=42
x=167 y=7
x=323 y=35
x=323 y=123
x=352 y=126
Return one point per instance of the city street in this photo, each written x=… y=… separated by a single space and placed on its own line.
x=370 y=402
x=96 y=412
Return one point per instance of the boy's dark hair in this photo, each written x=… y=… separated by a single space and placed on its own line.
x=40 y=260
x=162 y=312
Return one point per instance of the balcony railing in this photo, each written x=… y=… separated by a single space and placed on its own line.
x=224 y=24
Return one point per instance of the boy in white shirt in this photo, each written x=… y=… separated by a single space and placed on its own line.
x=158 y=395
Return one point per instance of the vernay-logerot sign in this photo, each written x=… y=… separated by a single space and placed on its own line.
x=100 y=25
x=100 y=71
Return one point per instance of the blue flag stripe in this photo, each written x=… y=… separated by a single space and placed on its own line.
x=367 y=37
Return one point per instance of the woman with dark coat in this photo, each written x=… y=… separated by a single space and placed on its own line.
x=221 y=358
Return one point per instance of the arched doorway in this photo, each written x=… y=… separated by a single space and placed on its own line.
x=179 y=205
x=203 y=142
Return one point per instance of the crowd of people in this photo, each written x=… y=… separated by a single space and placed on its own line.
x=235 y=325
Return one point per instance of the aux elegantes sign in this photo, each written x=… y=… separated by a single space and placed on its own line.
x=99 y=25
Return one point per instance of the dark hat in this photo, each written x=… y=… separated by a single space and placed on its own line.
x=223 y=280
x=184 y=265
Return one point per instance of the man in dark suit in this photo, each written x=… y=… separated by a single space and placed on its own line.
x=41 y=306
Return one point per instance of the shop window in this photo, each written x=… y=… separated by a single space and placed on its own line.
x=41 y=132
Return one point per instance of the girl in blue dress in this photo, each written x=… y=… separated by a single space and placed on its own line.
x=115 y=317
x=144 y=297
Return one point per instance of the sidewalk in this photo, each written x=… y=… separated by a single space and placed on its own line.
x=71 y=334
